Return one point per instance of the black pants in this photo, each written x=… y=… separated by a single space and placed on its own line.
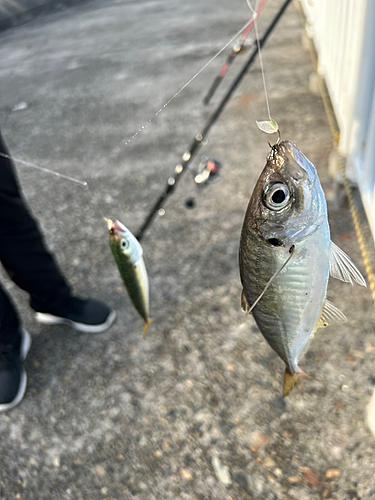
x=24 y=256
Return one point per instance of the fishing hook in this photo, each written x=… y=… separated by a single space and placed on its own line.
x=278 y=140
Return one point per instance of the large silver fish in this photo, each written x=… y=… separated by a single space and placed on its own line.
x=286 y=256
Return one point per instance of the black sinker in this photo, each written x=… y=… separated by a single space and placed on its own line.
x=275 y=242
x=278 y=196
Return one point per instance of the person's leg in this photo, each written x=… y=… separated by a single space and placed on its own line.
x=31 y=266
x=14 y=346
x=9 y=322
x=22 y=249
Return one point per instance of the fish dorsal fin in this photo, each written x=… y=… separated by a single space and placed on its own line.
x=244 y=305
x=330 y=315
x=342 y=268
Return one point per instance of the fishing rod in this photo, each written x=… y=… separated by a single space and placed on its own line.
x=237 y=48
x=180 y=169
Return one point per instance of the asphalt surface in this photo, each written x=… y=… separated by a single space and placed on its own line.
x=113 y=416
x=16 y=12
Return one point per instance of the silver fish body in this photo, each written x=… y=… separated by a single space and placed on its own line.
x=289 y=310
x=286 y=222
x=128 y=255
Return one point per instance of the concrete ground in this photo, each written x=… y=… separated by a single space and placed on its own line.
x=16 y=12
x=112 y=416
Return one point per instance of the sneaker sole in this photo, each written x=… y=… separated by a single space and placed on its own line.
x=25 y=347
x=50 y=319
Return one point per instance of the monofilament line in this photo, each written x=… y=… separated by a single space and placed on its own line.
x=275 y=275
x=84 y=184
x=260 y=54
x=44 y=169
x=238 y=33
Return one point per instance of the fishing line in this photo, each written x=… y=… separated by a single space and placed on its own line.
x=45 y=170
x=84 y=184
x=255 y=15
x=122 y=144
x=198 y=139
x=236 y=49
x=291 y=251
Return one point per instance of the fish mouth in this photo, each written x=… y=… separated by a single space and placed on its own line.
x=290 y=150
x=115 y=227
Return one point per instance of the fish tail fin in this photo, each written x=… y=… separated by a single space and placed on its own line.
x=147 y=324
x=290 y=379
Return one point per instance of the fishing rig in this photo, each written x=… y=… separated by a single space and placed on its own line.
x=211 y=169
x=196 y=144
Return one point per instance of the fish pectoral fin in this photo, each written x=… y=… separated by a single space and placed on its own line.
x=330 y=315
x=244 y=305
x=290 y=379
x=146 y=325
x=342 y=268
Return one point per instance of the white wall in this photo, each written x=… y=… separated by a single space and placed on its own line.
x=343 y=32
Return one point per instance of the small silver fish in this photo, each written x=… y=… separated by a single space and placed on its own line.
x=286 y=257
x=128 y=255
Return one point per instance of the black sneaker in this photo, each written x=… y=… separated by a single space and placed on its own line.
x=85 y=315
x=13 y=378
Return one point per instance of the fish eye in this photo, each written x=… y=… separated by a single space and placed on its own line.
x=276 y=196
x=124 y=244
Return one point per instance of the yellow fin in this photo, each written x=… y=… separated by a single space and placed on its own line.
x=290 y=380
x=147 y=324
